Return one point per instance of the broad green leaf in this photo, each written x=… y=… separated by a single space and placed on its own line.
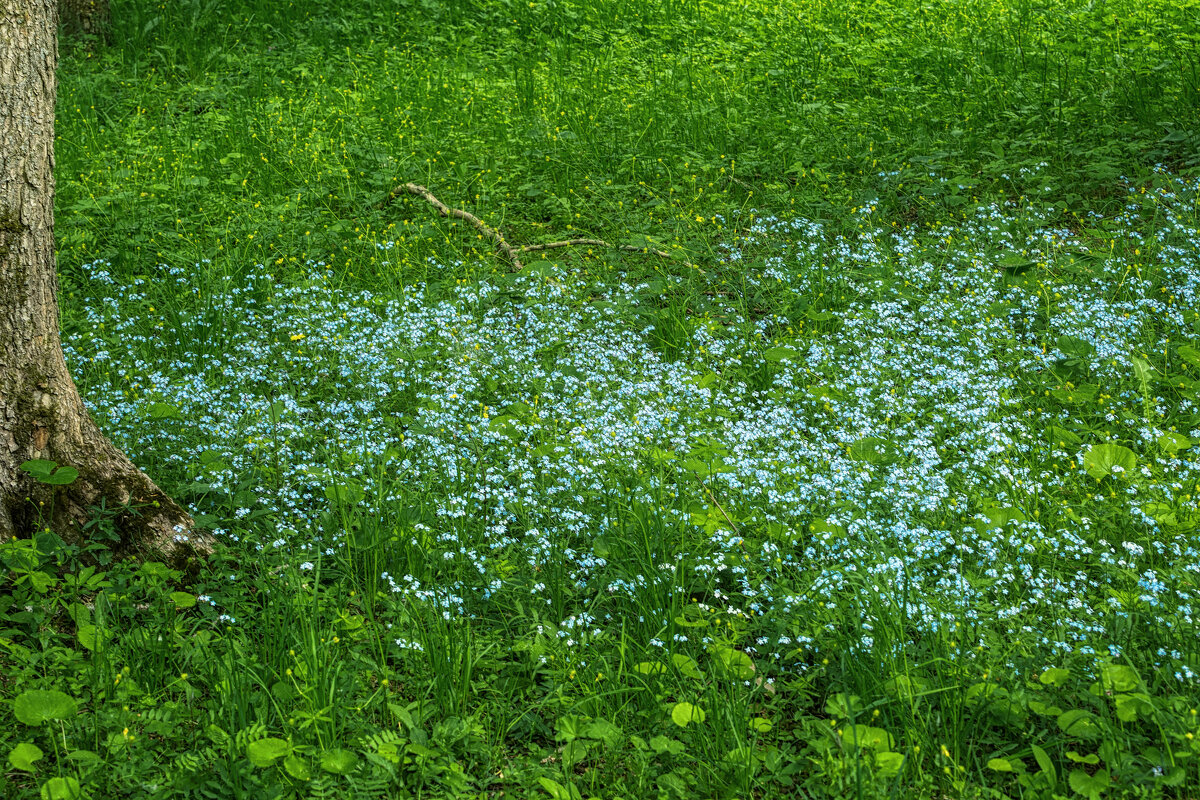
x=20 y=555
x=734 y=663
x=1142 y=369
x=1131 y=706
x=339 y=761
x=1090 y=758
x=163 y=411
x=1043 y=708
x=575 y=752
x=998 y=517
x=1077 y=395
x=888 y=763
x=157 y=571
x=1000 y=765
x=1107 y=459
x=867 y=736
x=1090 y=786
x=660 y=456
x=62 y=789
x=283 y=691
x=350 y=622
x=85 y=758
x=264 y=752
x=650 y=668
x=35 y=706
x=23 y=755
x=869 y=449
x=183 y=599
x=685 y=713
x=1015 y=264
x=1162 y=513
x=557 y=791
x=665 y=744
x=686 y=666
x=602 y=547
x=777 y=354
x=1119 y=678
x=819 y=526
x=1174 y=776
x=1075 y=347
x=1055 y=676
x=568 y=728
x=1189 y=354
x=980 y=691
x=276 y=411
x=604 y=731
x=298 y=768
x=62 y=476
x=821 y=391
x=347 y=493
x=760 y=725
x=1062 y=436
x=692 y=617
x=42 y=581
x=542 y=269
x=1079 y=723
x=79 y=614
x=39 y=468
x=508 y=426
x=842 y=705
x=90 y=637
x=1172 y=443
x=1046 y=765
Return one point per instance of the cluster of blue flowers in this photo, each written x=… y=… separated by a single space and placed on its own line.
x=903 y=463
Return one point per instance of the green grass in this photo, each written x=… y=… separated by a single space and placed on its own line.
x=882 y=485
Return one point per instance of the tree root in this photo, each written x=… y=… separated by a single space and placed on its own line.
x=513 y=254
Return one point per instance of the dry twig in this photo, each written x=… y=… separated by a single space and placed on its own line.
x=510 y=252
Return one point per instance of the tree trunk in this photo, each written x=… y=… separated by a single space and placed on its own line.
x=85 y=17
x=41 y=413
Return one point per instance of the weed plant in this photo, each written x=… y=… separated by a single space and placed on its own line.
x=884 y=486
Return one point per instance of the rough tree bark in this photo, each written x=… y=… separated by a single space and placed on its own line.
x=41 y=413
x=85 y=17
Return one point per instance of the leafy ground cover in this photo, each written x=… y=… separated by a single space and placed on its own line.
x=884 y=484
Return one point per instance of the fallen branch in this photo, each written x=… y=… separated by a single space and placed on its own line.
x=512 y=253
x=446 y=211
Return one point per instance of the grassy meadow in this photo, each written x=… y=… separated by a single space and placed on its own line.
x=865 y=463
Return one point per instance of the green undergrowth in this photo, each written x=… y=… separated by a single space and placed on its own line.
x=882 y=483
